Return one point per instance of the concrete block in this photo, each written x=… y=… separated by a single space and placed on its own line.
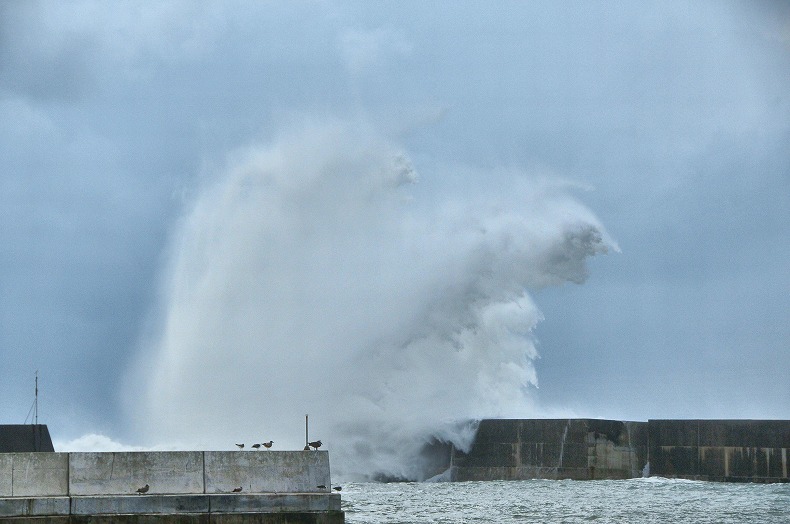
x=273 y=503
x=38 y=474
x=122 y=473
x=6 y=467
x=139 y=504
x=32 y=507
x=267 y=471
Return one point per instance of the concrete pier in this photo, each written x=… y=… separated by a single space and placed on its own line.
x=184 y=486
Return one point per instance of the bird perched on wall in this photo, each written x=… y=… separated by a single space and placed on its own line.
x=241 y=446
x=338 y=488
x=237 y=490
x=142 y=490
x=267 y=445
x=321 y=486
x=315 y=445
x=256 y=446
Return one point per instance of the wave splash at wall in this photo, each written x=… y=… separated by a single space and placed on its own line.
x=309 y=279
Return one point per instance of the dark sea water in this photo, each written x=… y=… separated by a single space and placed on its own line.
x=602 y=501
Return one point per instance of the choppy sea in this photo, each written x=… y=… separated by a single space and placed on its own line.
x=644 y=500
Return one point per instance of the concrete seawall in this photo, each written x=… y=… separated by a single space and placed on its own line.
x=585 y=449
x=184 y=486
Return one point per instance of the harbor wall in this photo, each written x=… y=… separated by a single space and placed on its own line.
x=587 y=449
x=184 y=486
x=720 y=450
x=579 y=449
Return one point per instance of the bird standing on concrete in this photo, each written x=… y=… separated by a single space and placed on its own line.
x=256 y=446
x=267 y=445
x=338 y=488
x=321 y=486
x=315 y=445
x=241 y=446
x=237 y=490
x=142 y=490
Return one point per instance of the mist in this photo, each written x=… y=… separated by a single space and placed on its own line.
x=307 y=279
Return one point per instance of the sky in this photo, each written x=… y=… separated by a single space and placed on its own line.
x=217 y=217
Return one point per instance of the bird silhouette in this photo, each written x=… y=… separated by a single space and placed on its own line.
x=338 y=488
x=142 y=490
x=267 y=445
x=241 y=446
x=256 y=446
x=237 y=490
x=321 y=486
x=315 y=445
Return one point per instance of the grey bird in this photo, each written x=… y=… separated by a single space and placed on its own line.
x=256 y=446
x=267 y=445
x=315 y=445
x=241 y=446
x=142 y=490
x=237 y=490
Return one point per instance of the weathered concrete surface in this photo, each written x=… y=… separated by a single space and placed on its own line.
x=304 y=517
x=267 y=471
x=122 y=473
x=30 y=506
x=720 y=450
x=553 y=448
x=183 y=486
x=33 y=474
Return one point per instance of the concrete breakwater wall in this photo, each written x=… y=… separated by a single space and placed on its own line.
x=577 y=449
x=183 y=486
x=582 y=449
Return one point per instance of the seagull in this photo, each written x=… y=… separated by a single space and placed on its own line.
x=237 y=490
x=338 y=488
x=256 y=446
x=321 y=486
x=316 y=444
x=241 y=446
x=142 y=490
x=267 y=445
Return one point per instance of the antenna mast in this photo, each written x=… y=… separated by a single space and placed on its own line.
x=35 y=410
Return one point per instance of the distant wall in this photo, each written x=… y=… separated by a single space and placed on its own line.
x=17 y=438
x=718 y=450
x=553 y=448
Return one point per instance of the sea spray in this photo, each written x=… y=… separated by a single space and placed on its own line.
x=306 y=279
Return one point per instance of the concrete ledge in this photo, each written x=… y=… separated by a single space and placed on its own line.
x=303 y=517
x=273 y=503
x=154 y=504
x=39 y=506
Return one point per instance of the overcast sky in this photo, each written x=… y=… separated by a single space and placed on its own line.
x=667 y=124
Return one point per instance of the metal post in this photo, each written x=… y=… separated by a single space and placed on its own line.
x=306 y=440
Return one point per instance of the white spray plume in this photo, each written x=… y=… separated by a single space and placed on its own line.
x=307 y=281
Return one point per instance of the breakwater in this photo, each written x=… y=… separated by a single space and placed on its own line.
x=183 y=486
x=586 y=449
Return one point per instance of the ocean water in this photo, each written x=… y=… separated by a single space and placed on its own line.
x=623 y=501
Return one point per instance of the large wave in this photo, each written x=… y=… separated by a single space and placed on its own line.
x=308 y=279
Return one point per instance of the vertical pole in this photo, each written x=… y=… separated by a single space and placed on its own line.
x=306 y=440
x=35 y=410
